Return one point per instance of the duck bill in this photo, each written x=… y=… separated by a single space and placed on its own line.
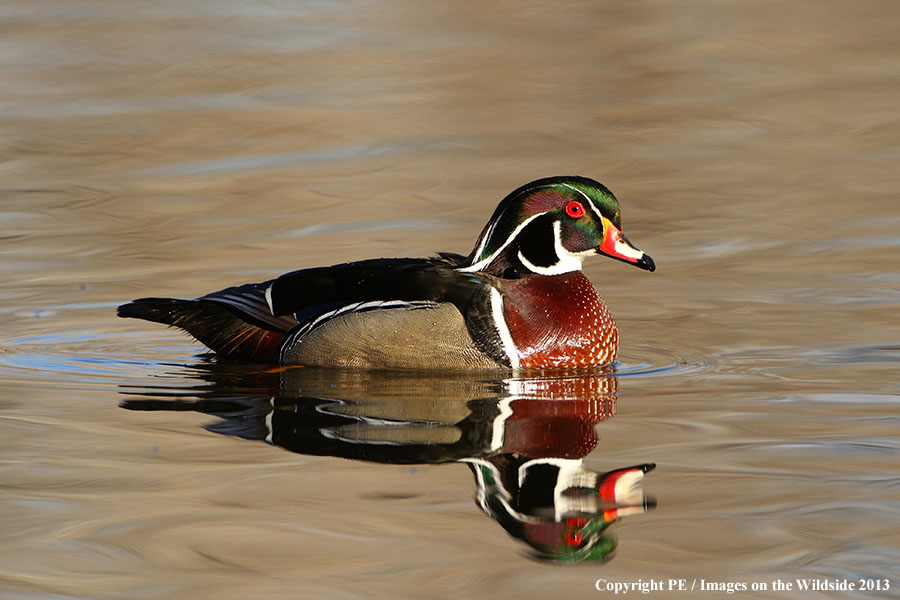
x=616 y=245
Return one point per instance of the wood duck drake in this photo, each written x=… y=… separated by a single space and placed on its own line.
x=518 y=301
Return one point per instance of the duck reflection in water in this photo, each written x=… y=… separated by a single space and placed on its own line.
x=523 y=438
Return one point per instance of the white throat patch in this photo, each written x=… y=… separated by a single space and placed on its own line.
x=568 y=261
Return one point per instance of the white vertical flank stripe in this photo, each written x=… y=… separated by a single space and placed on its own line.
x=509 y=346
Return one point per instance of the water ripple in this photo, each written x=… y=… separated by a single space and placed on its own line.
x=246 y=163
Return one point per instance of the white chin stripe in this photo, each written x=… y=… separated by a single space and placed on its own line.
x=566 y=265
x=566 y=261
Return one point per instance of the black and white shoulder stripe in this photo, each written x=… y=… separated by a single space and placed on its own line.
x=314 y=323
x=250 y=302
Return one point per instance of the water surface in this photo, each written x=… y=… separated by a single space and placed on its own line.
x=180 y=148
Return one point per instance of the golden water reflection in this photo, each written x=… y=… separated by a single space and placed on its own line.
x=524 y=439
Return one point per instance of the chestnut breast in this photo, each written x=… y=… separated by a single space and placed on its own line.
x=559 y=321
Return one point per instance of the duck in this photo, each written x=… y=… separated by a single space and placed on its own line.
x=518 y=301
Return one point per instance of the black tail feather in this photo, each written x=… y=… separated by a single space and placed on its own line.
x=216 y=325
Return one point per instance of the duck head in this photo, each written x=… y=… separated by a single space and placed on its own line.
x=549 y=226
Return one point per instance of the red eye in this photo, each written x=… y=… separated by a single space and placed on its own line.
x=574 y=209
x=573 y=539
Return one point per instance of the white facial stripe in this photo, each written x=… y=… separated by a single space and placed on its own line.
x=487 y=236
x=485 y=262
x=590 y=202
x=568 y=261
x=509 y=346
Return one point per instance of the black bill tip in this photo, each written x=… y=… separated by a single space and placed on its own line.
x=646 y=263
